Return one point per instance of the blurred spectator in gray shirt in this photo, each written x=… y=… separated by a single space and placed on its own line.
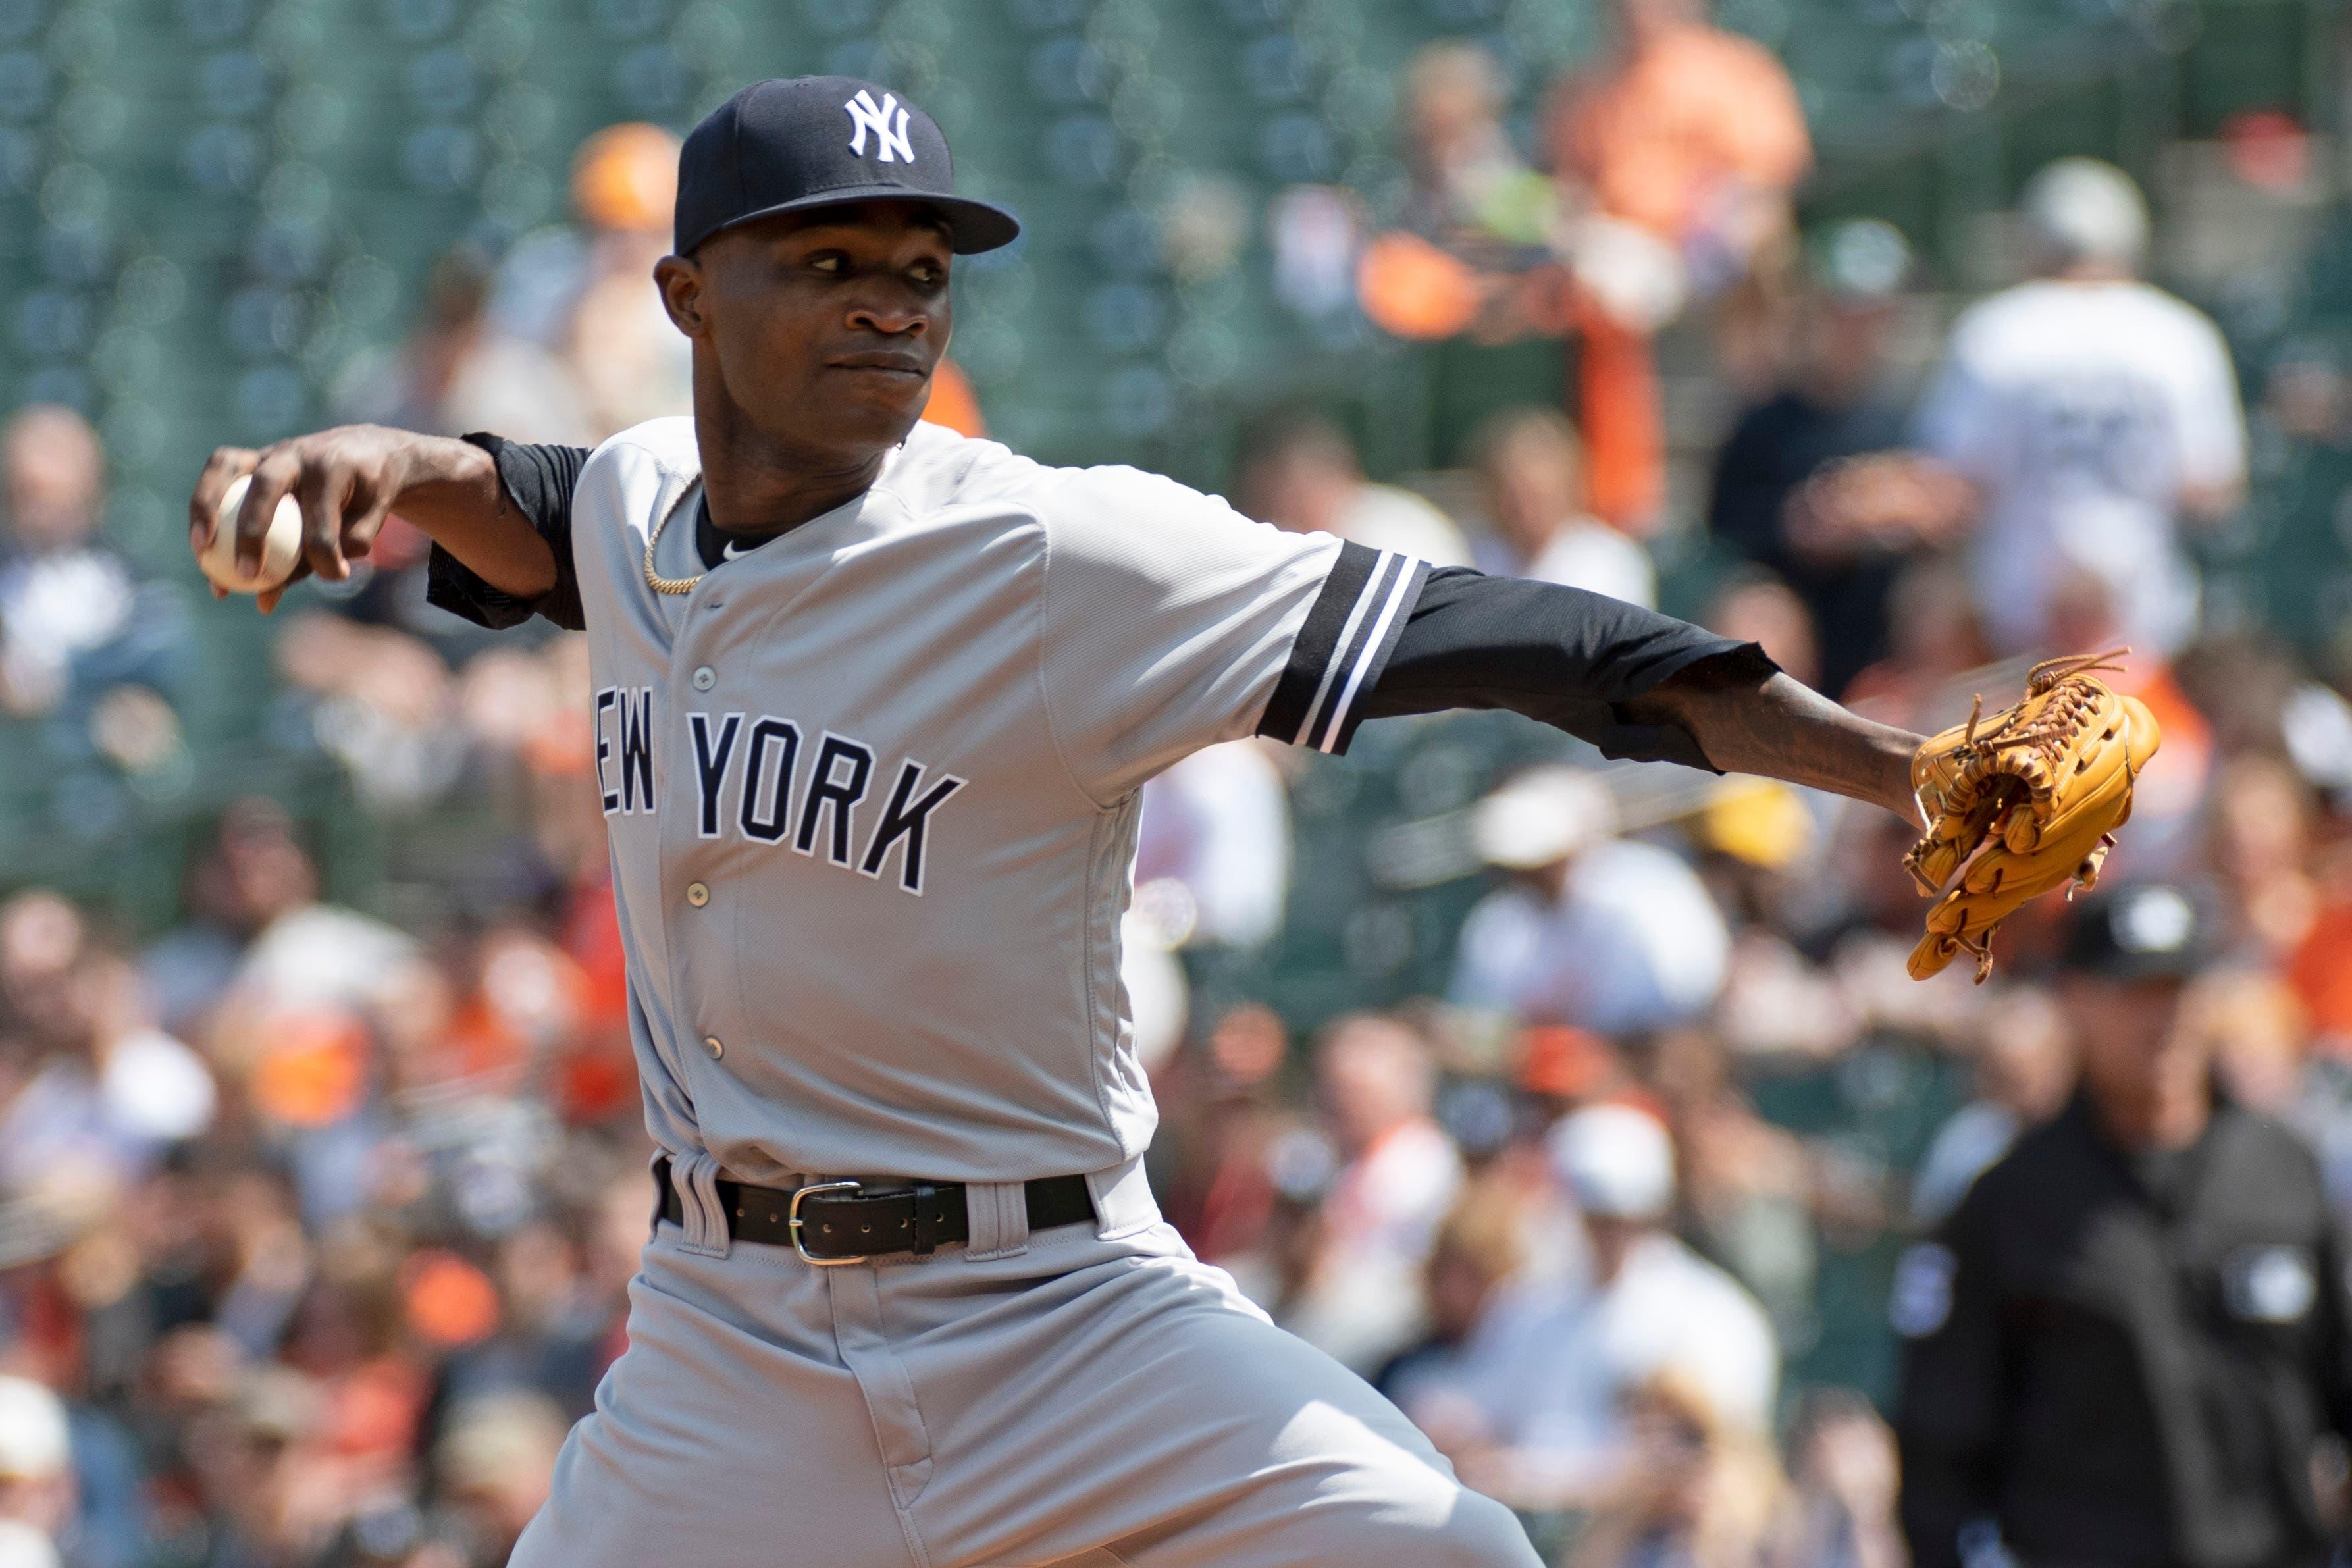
x=2095 y=414
x=75 y=625
x=1531 y=469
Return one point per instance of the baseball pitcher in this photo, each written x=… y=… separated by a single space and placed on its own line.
x=872 y=707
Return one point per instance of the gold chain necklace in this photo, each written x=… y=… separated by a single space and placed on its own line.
x=654 y=580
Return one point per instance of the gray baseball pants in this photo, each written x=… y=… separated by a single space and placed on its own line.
x=1086 y=1397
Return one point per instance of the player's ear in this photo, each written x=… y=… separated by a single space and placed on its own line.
x=680 y=280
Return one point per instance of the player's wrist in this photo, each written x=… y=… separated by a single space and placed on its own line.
x=412 y=461
x=452 y=492
x=435 y=482
x=1883 y=775
x=1898 y=751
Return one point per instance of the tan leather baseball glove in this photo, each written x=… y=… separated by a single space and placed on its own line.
x=2022 y=803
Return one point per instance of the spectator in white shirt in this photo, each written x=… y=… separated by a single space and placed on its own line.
x=99 y=1093
x=37 y=1475
x=1215 y=842
x=1531 y=466
x=1552 y=1370
x=1399 y=1173
x=1304 y=476
x=76 y=628
x=2095 y=414
x=458 y=371
x=22 y=1546
x=1610 y=934
x=270 y=939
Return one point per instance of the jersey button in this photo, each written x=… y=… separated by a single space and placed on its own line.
x=714 y=1046
x=705 y=678
x=698 y=894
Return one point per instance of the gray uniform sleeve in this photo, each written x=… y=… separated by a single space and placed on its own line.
x=1170 y=620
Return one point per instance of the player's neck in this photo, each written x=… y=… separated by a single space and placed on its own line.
x=756 y=486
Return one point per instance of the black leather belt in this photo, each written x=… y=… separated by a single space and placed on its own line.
x=841 y=1222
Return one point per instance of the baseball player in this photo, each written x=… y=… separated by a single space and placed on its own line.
x=873 y=706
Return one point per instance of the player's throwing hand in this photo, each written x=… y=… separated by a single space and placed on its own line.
x=347 y=481
x=344 y=479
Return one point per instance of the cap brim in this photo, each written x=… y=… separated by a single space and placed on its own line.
x=973 y=226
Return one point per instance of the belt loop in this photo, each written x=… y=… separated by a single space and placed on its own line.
x=695 y=1174
x=1123 y=1201
x=999 y=1212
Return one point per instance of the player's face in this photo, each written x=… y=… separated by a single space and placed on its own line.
x=821 y=328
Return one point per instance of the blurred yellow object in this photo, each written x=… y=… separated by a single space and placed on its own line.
x=625 y=177
x=1759 y=821
x=1411 y=288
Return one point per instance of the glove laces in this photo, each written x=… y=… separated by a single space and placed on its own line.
x=2058 y=721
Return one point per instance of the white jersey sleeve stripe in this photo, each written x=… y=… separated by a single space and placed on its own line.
x=1331 y=663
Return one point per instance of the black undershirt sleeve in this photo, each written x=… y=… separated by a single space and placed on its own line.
x=538 y=482
x=1562 y=656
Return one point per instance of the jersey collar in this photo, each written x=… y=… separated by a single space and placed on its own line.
x=713 y=547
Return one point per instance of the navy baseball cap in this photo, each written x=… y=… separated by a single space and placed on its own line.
x=820 y=140
x=2149 y=930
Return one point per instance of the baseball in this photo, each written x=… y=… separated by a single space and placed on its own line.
x=282 y=547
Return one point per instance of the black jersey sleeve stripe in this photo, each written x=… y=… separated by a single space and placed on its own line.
x=1352 y=632
x=1349 y=631
x=1306 y=680
x=1389 y=603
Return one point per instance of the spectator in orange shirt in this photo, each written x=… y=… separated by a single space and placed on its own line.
x=1683 y=146
x=1686 y=131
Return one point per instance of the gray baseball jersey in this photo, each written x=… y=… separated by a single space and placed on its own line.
x=872 y=786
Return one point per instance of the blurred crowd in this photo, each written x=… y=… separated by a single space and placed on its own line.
x=314 y=1230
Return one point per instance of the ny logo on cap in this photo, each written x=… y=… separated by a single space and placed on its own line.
x=889 y=133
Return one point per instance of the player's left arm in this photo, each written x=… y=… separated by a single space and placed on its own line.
x=1779 y=728
x=1168 y=622
x=1635 y=683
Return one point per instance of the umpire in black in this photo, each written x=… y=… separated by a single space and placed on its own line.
x=2125 y=1348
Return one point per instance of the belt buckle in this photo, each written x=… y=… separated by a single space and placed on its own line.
x=794 y=1224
